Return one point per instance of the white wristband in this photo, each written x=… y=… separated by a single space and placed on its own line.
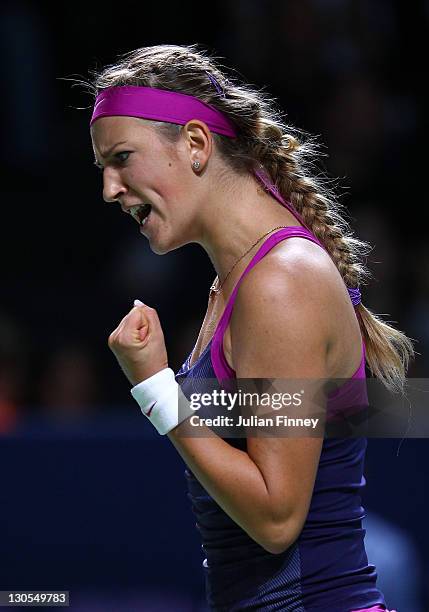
x=158 y=398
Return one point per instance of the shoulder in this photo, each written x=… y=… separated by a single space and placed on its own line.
x=282 y=321
x=296 y=269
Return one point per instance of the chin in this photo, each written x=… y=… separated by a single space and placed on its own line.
x=159 y=250
x=165 y=242
x=163 y=248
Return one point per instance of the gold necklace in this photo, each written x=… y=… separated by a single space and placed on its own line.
x=216 y=288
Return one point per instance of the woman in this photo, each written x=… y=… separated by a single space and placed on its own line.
x=196 y=157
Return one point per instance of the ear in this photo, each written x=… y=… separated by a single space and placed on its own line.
x=199 y=141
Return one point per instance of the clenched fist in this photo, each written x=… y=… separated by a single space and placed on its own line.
x=138 y=344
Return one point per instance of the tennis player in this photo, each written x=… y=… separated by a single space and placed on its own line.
x=195 y=156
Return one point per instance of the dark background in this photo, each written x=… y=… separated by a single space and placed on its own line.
x=351 y=72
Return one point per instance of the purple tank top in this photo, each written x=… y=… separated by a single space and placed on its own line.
x=327 y=567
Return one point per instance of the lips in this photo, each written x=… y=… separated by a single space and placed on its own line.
x=140 y=212
x=144 y=224
x=144 y=212
x=145 y=220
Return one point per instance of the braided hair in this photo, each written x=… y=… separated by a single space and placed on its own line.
x=289 y=155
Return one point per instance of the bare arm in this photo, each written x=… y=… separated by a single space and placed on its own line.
x=277 y=330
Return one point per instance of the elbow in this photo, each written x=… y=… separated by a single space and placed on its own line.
x=276 y=548
x=278 y=538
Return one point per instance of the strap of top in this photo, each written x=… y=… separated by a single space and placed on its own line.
x=220 y=365
x=263 y=177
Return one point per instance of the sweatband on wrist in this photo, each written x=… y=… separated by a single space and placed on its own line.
x=158 y=398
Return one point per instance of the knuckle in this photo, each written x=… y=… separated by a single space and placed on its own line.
x=115 y=338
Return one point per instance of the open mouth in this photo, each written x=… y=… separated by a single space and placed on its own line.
x=140 y=213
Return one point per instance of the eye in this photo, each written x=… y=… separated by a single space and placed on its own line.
x=122 y=156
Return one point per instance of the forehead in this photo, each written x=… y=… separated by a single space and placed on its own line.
x=107 y=131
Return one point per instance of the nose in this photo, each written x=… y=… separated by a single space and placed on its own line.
x=113 y=187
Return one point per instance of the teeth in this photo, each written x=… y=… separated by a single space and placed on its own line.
x=144 y=212
x=138 y=211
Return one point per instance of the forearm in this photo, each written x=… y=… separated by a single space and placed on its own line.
x=232 y=479
x=229 y=475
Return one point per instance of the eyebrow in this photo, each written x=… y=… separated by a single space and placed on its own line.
x=108 y=152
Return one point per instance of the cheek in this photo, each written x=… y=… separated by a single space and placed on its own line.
x=161 y=179
x=168 y=180
x=143 y=176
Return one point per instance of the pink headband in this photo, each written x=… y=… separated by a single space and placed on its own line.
x=174 y=107
x=159 y=105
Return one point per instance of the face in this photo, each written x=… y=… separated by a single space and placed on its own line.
x=141 y=168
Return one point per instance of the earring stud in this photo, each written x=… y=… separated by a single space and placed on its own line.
x=196 y=165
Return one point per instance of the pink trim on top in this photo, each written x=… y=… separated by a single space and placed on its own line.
x=373 y=609
x=220 y=366
x=264 y=178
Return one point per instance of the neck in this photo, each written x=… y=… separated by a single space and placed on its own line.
x=233 y=219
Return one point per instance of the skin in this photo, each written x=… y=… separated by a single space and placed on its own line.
x=311 y=331
x=184 y=202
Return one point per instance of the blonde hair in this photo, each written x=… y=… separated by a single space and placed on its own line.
x=287 y=153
